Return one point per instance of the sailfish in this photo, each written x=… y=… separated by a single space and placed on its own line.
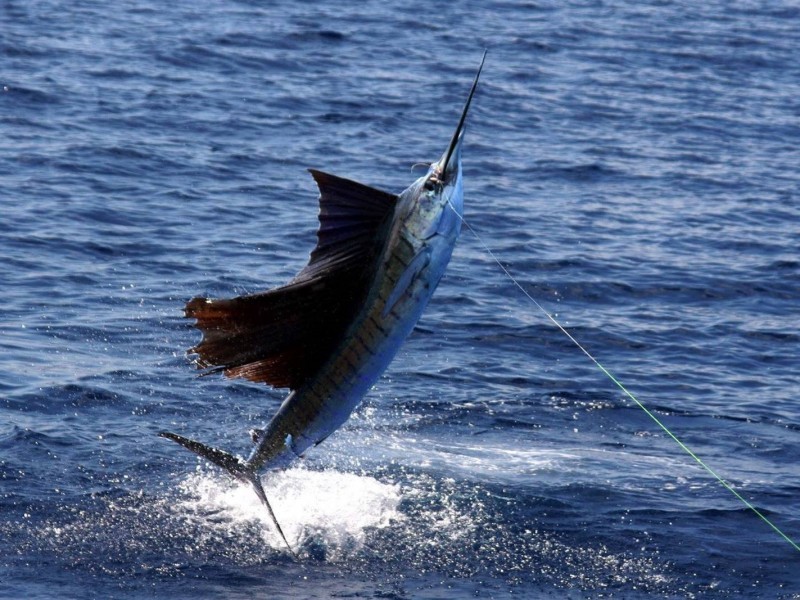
x=329 y=333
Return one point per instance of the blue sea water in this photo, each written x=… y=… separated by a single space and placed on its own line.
x=633 y=164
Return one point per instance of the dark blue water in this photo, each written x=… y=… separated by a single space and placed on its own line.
x=634 y=164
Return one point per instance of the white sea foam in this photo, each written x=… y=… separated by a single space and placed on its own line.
x=334 y=508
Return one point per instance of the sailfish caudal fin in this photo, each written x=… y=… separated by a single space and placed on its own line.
x=234 y=466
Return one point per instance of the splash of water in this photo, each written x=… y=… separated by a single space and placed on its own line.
x=328 y=509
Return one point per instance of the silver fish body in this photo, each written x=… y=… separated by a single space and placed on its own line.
x=424 y=230
x=329 y=334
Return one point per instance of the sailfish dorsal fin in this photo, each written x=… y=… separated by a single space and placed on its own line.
x=282 y=336
x=350 y=215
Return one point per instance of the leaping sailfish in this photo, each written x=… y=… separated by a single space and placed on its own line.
x=329 y=333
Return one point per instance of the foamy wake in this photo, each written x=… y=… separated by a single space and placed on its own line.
x=333 y=508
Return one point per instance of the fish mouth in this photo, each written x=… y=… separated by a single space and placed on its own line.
x=448 y=164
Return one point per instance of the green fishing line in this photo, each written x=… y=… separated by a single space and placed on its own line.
x=608 y=374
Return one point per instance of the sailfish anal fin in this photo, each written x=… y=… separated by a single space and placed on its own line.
x=282 y=336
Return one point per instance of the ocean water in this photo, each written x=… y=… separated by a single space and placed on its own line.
x=633 y=164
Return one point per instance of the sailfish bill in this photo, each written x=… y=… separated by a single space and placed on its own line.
x=329 y=333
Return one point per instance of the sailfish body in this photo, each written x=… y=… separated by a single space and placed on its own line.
x=406 y=273
x=329 y=333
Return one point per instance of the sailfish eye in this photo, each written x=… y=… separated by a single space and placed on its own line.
x=432 y=182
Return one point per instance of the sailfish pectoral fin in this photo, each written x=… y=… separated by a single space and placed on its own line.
x=236 y=467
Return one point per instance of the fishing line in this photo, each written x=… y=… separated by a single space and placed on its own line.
x=625 y=390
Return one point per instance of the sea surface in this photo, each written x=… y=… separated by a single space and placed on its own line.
x=633 y=164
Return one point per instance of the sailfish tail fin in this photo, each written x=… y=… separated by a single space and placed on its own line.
x=236 y=467
x=232 y=464
x=259 y=489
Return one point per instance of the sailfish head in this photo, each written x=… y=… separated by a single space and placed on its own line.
x=449 y=164
x=437 y=198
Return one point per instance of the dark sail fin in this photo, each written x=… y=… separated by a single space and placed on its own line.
x=282 y=336
x=351 y=214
